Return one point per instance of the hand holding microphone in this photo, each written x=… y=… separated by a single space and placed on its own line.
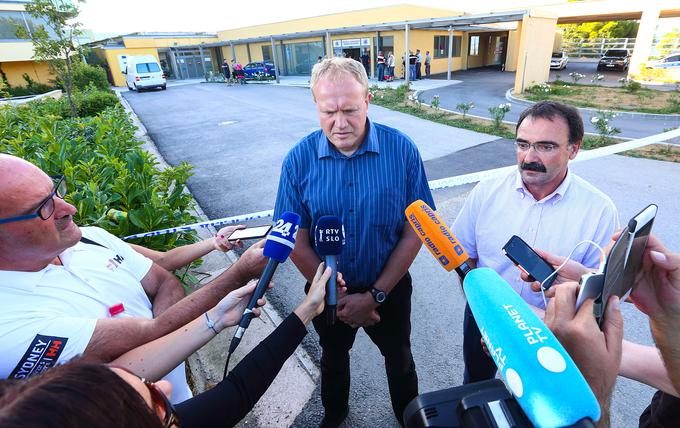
x=329 y=236
x=277 y=247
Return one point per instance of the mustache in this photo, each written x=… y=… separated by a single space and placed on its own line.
x=533 y=166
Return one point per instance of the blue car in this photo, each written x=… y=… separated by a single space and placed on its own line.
x=253 y=68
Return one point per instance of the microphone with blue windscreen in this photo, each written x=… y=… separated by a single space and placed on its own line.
x=280 y=242
x=538 y=370
x=329 y=236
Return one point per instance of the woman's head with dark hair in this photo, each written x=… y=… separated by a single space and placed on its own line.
x=549 y=110
x=75 y=395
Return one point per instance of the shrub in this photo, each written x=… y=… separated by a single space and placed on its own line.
x=498 y=113
x=85 y=76
x=604 y=129
x=630 y=85
x=435 y=102
x=465 y=107
x=105 y=169
x=93 y=102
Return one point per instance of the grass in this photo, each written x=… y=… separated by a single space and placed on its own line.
x=398 y=100
x=604 y=97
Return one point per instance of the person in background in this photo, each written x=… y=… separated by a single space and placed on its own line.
x=428 y=61
x=419 y=65
x=225 y=69
x=381 y=66
x=390 y=65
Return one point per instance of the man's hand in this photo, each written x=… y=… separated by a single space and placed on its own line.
x=252 y=262
x=571 y=271
x=358 y=309
x=657 y=285
x=596 y=353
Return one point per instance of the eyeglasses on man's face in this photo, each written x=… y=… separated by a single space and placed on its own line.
x=158 y=399
x=540 y=147
x=46 y=207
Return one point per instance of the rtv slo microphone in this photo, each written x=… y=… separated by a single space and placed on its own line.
x=438 y=238
x=538 y=370
x=329 y=236
x=280 y=242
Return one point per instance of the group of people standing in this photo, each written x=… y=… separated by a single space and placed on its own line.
x=236 y=70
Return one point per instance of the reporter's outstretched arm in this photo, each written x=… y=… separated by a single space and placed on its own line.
x=179 y=257
x=155 y=359
x=234 y=397
x=644 y=364
x=657 y=294
x=597 y=353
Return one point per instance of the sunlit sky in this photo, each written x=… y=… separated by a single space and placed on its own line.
x=109 y=17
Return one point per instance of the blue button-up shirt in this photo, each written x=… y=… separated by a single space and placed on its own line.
x=368 y=190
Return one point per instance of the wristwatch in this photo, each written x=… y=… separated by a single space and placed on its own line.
x=378 y=295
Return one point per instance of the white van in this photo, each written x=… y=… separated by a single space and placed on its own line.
x=143 y=72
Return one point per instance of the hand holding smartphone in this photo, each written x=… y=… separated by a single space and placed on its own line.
x=525 y=258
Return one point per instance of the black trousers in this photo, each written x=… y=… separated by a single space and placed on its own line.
x=418 y=69
x=392 y=336
x=478 y=365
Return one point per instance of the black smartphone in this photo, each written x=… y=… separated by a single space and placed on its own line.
x=525 y=258
x=256 y=232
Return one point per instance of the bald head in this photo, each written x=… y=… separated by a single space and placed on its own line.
x=32 y=243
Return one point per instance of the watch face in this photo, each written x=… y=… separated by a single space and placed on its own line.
x=380 y=296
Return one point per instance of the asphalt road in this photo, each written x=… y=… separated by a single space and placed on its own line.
x=486 y=88
x=237 y=136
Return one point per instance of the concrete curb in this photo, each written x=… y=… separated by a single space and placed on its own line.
x=510 y=97
x=298 y=377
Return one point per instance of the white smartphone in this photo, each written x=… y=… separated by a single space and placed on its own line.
x=256 y=232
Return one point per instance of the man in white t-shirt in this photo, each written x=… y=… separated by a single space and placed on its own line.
x=67 y=291
x=543 y=203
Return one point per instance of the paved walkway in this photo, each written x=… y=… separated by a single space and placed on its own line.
x=487 y=88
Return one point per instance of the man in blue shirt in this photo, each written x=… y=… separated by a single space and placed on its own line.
x=366 y=174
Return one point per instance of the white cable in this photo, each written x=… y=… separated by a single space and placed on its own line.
x=586 y=241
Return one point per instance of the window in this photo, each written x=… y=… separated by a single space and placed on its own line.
x=148 y=67
x=474 y=45
x=10 y=19
x=441 y=46
x=266 y=53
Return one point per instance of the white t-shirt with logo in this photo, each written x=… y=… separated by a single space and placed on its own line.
x=48 y=317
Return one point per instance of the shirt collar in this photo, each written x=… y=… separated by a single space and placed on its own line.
x=28 y=281
x=370 y=144
x=555 y=196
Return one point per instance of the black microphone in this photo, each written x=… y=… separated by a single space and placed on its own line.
x=280 y=242
x=329 y=236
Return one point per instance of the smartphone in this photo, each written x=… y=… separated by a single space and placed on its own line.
x=525 y=258
x=256 y=232
x=625 y=257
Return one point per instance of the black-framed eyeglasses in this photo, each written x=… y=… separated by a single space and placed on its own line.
x=46 y=207
x=523 y=146
x=158 y=399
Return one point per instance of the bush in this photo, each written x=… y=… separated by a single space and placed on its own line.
x=93 y=102
x=85 y=76
x=105 y=169
x=32 y=88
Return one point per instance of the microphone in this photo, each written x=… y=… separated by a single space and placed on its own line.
x=538 y=370
x=438 y=238
x=280 y=242
x=329 y=236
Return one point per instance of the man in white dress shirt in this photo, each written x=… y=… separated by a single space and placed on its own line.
x=543 y=203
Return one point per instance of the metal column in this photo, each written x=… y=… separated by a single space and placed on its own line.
x=407 y=62
x=248 y=50
x=329 y=45
x=173 y=61
x=276 y=64
x=233 y=51
x=448 y=70
x=200 y=52
x=374 y=57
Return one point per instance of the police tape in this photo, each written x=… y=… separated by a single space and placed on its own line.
x=434 y=184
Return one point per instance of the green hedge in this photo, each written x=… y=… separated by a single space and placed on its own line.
x=105 y=168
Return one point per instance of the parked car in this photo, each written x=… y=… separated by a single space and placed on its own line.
x=258 y=67
x=671 y=61
x=143 y=72
x=614 y=59
x=559 y=61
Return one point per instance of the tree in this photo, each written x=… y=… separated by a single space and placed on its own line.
x=54 y=42
x=595 y=30
x=668 y=43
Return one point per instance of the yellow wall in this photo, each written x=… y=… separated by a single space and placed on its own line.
x=112 y=59
x=346 y=19
x=513 y=47
x=424 y=40
x=535 y=46
x=38 y=71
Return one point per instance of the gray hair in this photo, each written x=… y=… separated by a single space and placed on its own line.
x=334 y=68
